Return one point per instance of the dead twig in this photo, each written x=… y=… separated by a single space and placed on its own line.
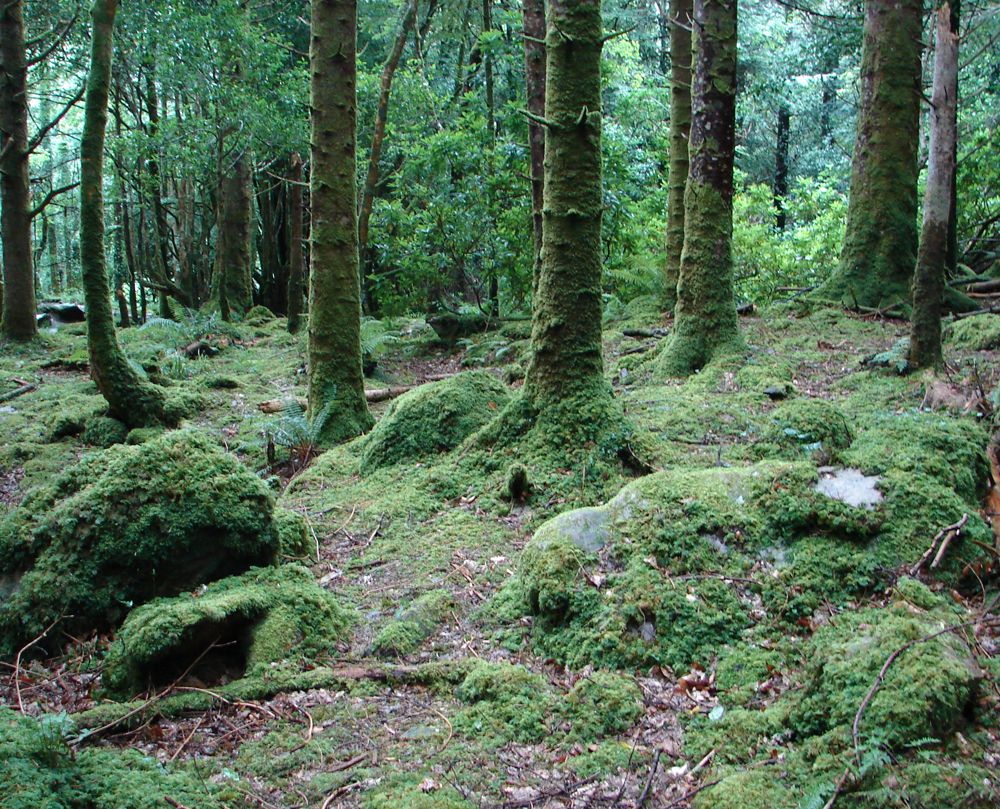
x=187 y=738
x=644 y=795
x=17 y=660
x=944 y=537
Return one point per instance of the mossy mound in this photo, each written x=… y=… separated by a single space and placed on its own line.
x=603 y=704
x=73 y=419
x=104 y=432
x=127 y=525
x=258 y=315
x=771 y=379
x=434 y=418
x=273 y=614
x=413 y=624
x=811 y=426
x=38 y=770
x=978 y=333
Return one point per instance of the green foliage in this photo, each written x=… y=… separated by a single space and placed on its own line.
x=276 y=614
x=434 y=418
x=299 y=432
x=103 y=432
x=809 y=426
x=979 y=333
x=413 y=624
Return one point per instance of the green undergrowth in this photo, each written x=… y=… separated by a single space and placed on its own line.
x=270 y=614
x=129 y=524
x=979 y=333
x=413 y=624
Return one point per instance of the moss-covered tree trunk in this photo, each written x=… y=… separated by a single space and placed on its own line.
x=932 y=257
x=880 y=243
x=533 y=14
x=130 y=398
x=680 y=130
x=705 y=323
x=566 y=319
x=234 y=284
x=295 y=266
x=335 y=378
x=18 y=309
x=780 y=189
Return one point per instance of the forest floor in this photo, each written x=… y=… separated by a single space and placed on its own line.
x=711 y=696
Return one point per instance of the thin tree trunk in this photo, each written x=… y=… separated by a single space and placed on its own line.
x=680 y=132
x=378 y=136
x=130 y=398
x=160 y=228
x=706 y=323
x=951 y=263
x=336 y=382
x=294 y=242
x=18 y=299
x=929 y=276
x=234 y=285
x=491 y=126
x=780 y=189
x=533 y=13
x=880 y=243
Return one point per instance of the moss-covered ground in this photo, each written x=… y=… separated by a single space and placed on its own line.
x=706 y=632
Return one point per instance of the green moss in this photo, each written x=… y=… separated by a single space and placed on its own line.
x=505 y=703
x=979 y=333
x=812 y=426
x=275 y=613
x=772 y=379
x=141 y=435
x=413 y=624
x=410 y=794
x=221 y=382
x=294 y=539
x=602 y=704
x=258 y=315
x=608 y=756
x=103 y=432
x=72 y=420
x=433 y=419
x=127 y=525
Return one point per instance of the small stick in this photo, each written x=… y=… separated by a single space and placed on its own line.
x=17 y=661
x=837 y=787
x=187 y=738
x=174 y=803
x=953 y=532
x=644 y=796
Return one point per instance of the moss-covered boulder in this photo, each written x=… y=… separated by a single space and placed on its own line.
x=979 y=333
x=104 y=432
x=127 y=525
x=271 y=614
x=505 y=703
x=433 y=418
x=413 y=624
x=811 y=426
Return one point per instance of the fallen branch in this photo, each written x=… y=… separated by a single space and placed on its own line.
x=373 y=395
x=6 y=397
x=644 y=796
x=944 y=536
x=17 y=661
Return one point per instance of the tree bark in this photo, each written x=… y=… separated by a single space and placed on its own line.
x=706 y=321
x=295 y=265
x=233 y=282
x=130 y=398
x=161 y=230
x=335 y=376
x=18 y=299
x=533 y=13
x=880 y=243
x=951 y=263
x=680 y=132
x=566 y=318
x=929 y=276
x=378 y=136
x=780 y=189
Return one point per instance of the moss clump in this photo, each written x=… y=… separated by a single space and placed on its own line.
x=127 y=525
x=103 y=432
x=434 y=418
x=505 y=703
x=413 y=624
x=258 y=315
x=602 y=704
x=294 y=541
x=140 y=435
x=923 y=695
x=979 y=333
x=38 y=770
x=273 y=613
x=73 y=420
x=813 y=426
x=770 y=379
x=218 y=382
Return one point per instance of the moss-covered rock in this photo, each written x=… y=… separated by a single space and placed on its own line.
x=413 y=624
x=434 y=418
x=103 y=432
x=813 y=426
x=273 y=614
x=978 y=333
x=127 y=525
x=140 y=435
x=258 y=315
x=505 y=703
x=602 y=704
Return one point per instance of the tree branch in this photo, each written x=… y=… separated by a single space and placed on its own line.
x=55 y=192
x=40 y=135
x=55 y=44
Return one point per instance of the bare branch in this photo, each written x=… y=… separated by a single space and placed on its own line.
x=55 y=192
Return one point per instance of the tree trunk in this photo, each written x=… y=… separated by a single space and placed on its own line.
x=880 y=243
x=951 y=263
x=161 y=230
x=335 y=377
x=130 y=398
x=566 y=318
x=378 y=136
x=233 y=281
x=680 y=131
x=18 y=309
x=780 y=189
x=929 y=276
x=294 y=242
x=534 y=75
x=706 y=323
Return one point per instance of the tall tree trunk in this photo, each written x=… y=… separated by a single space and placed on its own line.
x=18 y=309
x=335 y=377
x=780 y=189
x=152 y=165
x=378 y=136
x=706 y=322
x=130 y=398
x=566 y=357
x=880 y=243
x=233 y=280
x=929 y=276
x=680 y=132
x=491 y=126
x=951 y=263
x=533 y=12
x=294 y=242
